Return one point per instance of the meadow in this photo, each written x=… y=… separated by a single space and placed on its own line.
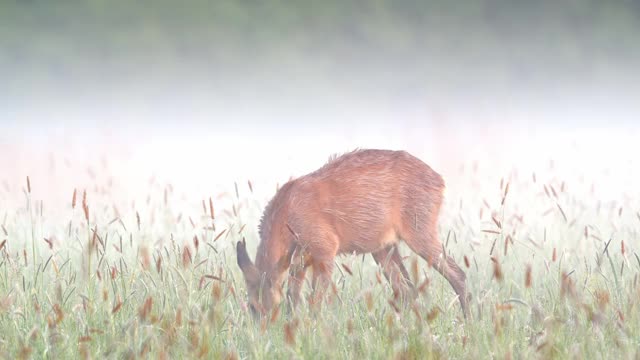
x=141 y=140
x=552 y=266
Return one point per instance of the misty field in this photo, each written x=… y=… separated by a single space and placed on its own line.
x=552 y=267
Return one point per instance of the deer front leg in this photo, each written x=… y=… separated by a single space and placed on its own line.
x=296 y=281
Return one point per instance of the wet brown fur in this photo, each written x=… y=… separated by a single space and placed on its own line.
x=364 y=201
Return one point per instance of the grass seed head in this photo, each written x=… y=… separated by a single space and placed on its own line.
x=416 y=312
x=186 y=256
x=506 y=192
x=414 y=268
x=602 y=299
x=231 y=355
x=85 y=208
x=117 y=305
x=378 y=277
x=394 y=305
x=389 y=319
x=423 y=286
x=368 y=298
x=25 y=352
x=73 y=199
x=497 y=269
x=216 y=291
x=85 y=338
x=59 y=314
x=146 y=257
x=433 y=314
x=145 y=309
x=528 y=277
x=350 y=326
x=347 y=269
x=567 y=286
x=275 y=314
x=290 y=329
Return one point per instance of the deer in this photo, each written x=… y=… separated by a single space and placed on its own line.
x=366 y=201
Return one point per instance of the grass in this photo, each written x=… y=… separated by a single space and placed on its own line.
x=545 y=262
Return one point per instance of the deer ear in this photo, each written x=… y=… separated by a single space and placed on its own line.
x=244 y=262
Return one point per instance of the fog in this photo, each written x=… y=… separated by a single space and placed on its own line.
x=205 y=95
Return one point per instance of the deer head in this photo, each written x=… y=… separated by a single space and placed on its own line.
x=264 y=286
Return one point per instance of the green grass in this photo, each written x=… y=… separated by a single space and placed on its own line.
x=142 y=294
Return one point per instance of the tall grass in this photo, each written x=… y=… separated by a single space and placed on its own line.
x=553 y=273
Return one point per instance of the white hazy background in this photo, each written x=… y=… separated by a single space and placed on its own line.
x=202 y=159
x=205 y=95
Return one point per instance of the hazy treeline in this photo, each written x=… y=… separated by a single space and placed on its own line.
x=401 y=46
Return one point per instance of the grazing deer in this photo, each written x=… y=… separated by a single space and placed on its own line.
x=364 y=201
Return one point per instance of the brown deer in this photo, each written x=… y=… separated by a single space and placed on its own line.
x=364 y=201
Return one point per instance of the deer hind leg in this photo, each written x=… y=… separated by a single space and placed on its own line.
x=391 y=263
x=427 y=245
